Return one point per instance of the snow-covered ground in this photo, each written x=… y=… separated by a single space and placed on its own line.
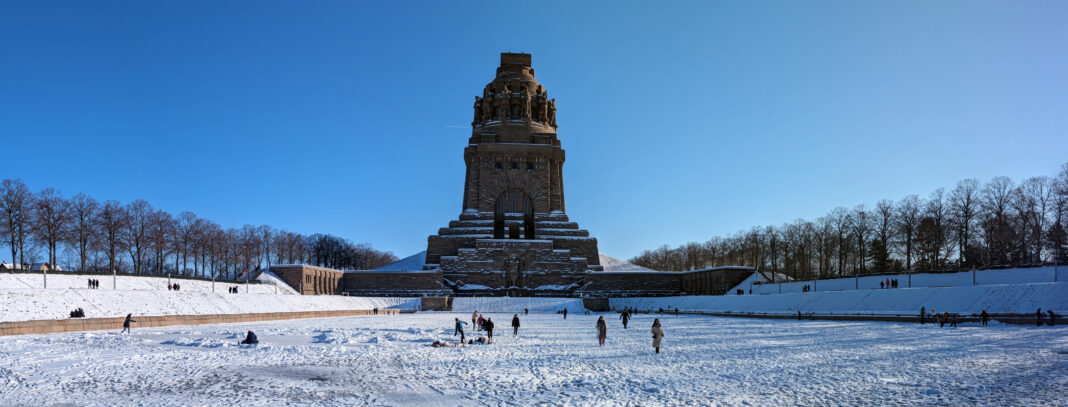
x=22 y=298
x=513 y=305
x=964 y=278
x=269 y=283
x=1004 y=298
x=387 y=360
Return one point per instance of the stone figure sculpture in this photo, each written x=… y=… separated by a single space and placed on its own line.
x=504 y=111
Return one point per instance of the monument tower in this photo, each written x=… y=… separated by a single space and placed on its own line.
x=513 y=234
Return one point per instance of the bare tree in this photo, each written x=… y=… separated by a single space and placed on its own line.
x=135 y=234
x=160 y=235
x=908 y=220
x=1031 y=202
x=885 y=228
x=16 y=202
x=964 y=205
x=82 y=229
x=111 y=220
x=50 y=219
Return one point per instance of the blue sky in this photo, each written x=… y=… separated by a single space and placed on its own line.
x=681 y=121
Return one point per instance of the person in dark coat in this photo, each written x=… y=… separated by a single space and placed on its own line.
x=658 y=334
x=565 y=313
x=1038 y=317
x=923 y=314
x=984 y=317
x=625 y=316
x=126 y=323
x=250 y=339
x=602 y=330
x=515 y=325
x=488 y=326
x=526 y=311
x=1052 y=317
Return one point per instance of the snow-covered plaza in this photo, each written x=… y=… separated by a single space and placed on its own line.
x=388 y=360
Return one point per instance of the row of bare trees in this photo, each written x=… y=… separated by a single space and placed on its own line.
x=137 y=238
x=976 y=225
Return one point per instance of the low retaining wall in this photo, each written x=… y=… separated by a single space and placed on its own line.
x=1014 y=319
x=96 y=324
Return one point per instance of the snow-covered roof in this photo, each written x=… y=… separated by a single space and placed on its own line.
x=414 y=262
x=613 y=264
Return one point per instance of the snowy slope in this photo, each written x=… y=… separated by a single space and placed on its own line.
x=272 y=279
x=613 y=264
x=964 y=278
x=516 y=305
x=1006 y=298
x=411 y=263
x=127 y=282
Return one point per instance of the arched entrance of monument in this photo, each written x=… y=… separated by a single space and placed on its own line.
x=513 y=203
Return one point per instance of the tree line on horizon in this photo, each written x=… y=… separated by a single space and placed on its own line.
x=136 y=238
x=974 y=226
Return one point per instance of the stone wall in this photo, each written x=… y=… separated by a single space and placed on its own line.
x=712 y=281
x=393 y=283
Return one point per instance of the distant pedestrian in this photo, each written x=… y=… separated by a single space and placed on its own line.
x=474 y=318
x=658 y=334
x=488 y=326
x=126 y=323
x=459 y=329
x=90 y=282
x=984 y=317
x=676 y=311
x=515 y=325
x=602 y=330
x=170 y=287
x=1038 y=317
x=953 y=320
x=526 y=311
x=798 y=315
x=942 y=319
x=880 y=284
x=565 y=313
x=923 y=312
x=625 y=316
x=1052 y=318
x=376 y=310
x=481 y=321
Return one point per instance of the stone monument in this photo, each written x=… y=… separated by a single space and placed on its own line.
x=513 y=236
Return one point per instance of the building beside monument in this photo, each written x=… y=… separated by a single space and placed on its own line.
x=513 y=236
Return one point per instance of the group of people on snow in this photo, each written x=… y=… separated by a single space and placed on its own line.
x=94 y=283
x=483 y=323
x=889 y=283
x=173 y=287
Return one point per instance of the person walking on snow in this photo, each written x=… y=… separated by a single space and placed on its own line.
x=625 y=316
x=474 y=318
x=1038 y=317
x=459 y=329
x=488 y=326
x=658 y=334
x=984 y=317
x=515 y=325
x=481 y=321
x=923 y=311
x=565 y=313
x=1052 y=317
x=126 y=323
x=602 y=330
